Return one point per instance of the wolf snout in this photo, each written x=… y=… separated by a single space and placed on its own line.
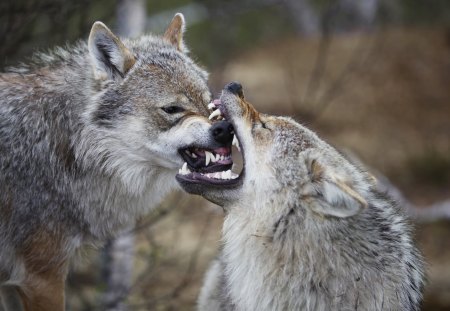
x=235 y=88
x=222 y=132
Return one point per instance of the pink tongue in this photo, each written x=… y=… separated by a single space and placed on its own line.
x=216 y=102
x=222 y=150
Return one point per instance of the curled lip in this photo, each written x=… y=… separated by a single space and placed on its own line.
x=198 y=176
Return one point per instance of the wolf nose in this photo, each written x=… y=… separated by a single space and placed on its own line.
x=222 y=132
x=235 y=88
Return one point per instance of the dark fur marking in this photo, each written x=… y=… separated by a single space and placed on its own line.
x=284 y=221
x=111 y=108
x=106 y=59
x=66 y=154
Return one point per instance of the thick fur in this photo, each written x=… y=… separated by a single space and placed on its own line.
x=306 y=229
x=87 y=144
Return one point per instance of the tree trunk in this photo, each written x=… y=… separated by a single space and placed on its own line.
x=118 y=253
x=306 y=20
x=131 y=17
x=118 y=258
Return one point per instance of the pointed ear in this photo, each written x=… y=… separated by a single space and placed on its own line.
x=337 y=198
x=174 y=33
x=109 y=56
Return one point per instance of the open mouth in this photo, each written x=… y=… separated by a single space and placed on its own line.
x=211 y=166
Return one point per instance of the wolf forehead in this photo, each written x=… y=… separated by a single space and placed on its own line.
x=151 y=50
x=156 y=59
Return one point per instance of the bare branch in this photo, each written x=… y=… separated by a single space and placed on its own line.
x=423 y=214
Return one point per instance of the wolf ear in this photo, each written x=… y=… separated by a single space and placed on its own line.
x=338 y=199
x=109 y=56
x=174 y=33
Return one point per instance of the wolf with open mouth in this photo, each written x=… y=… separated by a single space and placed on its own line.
x=305 y=229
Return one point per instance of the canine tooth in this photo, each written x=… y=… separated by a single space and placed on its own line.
x=208 y=156
x=211 y=106
x=215 y=113
x=236 y=143
x=194 y=155
x=233 y=175
x=213 y=158
x=184 y=169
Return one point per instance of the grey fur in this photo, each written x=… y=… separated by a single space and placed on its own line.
x=83 y=153
x=306 y=229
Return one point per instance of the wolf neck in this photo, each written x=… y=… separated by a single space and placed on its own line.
x=110 y=206
x=261 y=265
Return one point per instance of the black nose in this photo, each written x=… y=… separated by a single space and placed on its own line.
x=222 y=132
x=235 y=88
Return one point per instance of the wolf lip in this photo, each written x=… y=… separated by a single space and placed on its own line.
x=203 y=179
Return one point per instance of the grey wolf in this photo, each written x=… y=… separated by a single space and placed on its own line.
x=91 y=137
x=305 y=229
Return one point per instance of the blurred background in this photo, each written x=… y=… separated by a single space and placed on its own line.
x=372 y=77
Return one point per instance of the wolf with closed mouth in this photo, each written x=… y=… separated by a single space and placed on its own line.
x=91 y=137
x=304 y=229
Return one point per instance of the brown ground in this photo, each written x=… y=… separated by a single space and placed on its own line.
x=384 y=96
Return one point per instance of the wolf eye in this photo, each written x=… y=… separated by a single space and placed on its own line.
x=172 y=109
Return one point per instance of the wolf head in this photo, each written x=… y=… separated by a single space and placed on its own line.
x=149 y=103
x=282 y=157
